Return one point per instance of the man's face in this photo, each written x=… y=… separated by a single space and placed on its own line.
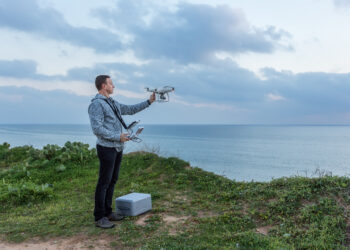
x=109 y=86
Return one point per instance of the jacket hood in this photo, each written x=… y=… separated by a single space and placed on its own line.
x=98 y=96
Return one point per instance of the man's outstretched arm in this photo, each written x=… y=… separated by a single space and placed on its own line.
x=133 y=109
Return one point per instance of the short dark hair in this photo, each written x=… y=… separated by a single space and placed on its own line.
x=100 y=79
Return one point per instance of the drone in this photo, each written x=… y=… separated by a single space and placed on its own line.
x=162 y=94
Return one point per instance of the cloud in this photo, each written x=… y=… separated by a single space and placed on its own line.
x=192 y=33
x=223 y=86
x=80 y=81
x=12 y=98
x=33 y=106
x=179 y=45
x=311 y=92
x=203 y=105
x=18 y=68
x=341 y=3
x=274 y=97
x=78 y=88
x=61 y=107
x=221 y=81
x=28 y=16
x=75 y=87
x=219 y=86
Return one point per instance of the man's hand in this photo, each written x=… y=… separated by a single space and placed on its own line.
x=124 y=137
x=152 y=98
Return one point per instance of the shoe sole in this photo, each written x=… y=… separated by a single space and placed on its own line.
x=105 y=227
x=117 y=220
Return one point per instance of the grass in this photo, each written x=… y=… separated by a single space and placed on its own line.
x=49 y=193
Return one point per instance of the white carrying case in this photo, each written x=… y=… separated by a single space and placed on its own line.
x=133 y=204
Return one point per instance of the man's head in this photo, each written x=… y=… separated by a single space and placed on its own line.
x=104 y=84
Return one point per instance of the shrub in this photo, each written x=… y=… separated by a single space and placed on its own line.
x=25 y=192
x=76 y=152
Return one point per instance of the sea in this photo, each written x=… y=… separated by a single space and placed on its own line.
x=238 y=152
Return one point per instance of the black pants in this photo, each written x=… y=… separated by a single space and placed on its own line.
x=110 y=160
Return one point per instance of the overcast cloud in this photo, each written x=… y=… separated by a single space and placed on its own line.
x=179 y=47
x=28 y=16
x=192 y=33
x=342 y=3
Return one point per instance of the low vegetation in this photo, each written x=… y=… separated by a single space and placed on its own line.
x=49 y=193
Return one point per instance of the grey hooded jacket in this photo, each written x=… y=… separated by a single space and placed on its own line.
x=104 y=123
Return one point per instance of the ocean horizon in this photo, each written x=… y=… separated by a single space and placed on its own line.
x=243 y=152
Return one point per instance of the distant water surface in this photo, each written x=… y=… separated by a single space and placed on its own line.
x=240 y=152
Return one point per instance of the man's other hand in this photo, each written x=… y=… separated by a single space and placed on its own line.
x=124 y=137
x=152 y=98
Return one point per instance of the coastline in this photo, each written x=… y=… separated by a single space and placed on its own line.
x=242 y=153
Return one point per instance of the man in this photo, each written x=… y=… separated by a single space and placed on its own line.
x=106 y=123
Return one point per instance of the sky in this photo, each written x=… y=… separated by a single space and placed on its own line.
x=231 y=62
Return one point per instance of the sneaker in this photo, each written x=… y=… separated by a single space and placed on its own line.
x=115 y=217
x=104 y=223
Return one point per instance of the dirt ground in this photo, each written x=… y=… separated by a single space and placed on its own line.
x=72 y=243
